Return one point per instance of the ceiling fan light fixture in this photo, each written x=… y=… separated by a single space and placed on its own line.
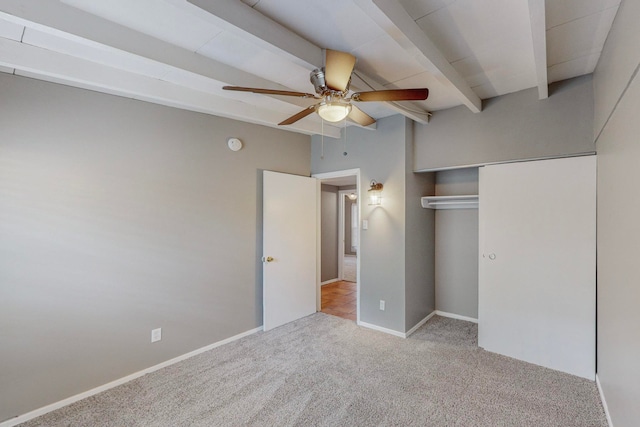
x=334 y=111
x=331 y=84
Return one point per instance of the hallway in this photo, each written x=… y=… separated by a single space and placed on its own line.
x=339 y=299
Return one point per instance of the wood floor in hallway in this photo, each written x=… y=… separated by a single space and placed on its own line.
x=339 y=299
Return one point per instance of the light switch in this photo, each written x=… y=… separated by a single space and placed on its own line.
x=365 y=224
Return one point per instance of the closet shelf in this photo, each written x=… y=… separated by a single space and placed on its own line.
x=450 y=202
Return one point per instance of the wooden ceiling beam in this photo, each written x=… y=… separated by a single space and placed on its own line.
x=45 y=64
x=397 y=23
x=249 y=24
x=539 y=38
x=79 y=27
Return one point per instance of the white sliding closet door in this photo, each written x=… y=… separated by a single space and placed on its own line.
x=537 y=291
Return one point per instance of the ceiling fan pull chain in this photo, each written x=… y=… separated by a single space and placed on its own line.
x=322 y=139
x=344 y=153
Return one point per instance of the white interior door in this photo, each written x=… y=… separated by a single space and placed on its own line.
x=289 y=248
x=537 y=262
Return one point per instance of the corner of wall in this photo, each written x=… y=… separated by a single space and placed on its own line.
x=616 y=103
x=419 y=239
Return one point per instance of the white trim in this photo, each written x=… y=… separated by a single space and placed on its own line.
x=502 y=162
x=420 y=323
x=68 y=401
x=453 y=316
x=604 y=402
x=379 y=328
x=396 y=333
x=318 y=245
x=327 y=282
x=336 y=174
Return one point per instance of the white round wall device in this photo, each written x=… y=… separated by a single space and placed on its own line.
x=234 y=144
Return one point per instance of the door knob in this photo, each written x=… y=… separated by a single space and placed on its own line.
x=267 y=259
x=492 y=256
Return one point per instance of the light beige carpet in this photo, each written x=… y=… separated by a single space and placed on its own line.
x=326 y=371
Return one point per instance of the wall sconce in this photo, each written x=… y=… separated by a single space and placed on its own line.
x=352 y=196
x=375 y=193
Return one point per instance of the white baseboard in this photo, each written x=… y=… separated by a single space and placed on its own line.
x=453 y=316
x=68 y=401
x=396 y=333
x=326 y=282
x=377 y=328
x=420 y=323
x=604 y=402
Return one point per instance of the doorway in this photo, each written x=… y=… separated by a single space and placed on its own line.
x=339 y=251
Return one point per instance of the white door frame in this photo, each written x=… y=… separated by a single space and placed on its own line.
x=320 y=177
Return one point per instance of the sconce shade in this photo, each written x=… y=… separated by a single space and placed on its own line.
x=375 y=194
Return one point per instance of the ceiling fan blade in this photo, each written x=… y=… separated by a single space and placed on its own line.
x=360 y=117
x=269 y=91
x=337 y=69
x=298 y=116
x=392 y=95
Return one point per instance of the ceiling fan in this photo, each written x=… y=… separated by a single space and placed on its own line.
x=332 y=86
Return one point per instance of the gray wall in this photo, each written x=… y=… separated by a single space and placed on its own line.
x=117 y=217
x=419 y=241
x=514 y=126
x=456 y=259
x=380 y=156
x=457 y=182
x=329 y=232
x=385 y=265
x=618 y=213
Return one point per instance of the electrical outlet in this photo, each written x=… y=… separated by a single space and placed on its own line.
x=365 y=224
x=156 y=335
x=382 y=304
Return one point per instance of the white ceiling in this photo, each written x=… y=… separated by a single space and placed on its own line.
x=180 y=53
